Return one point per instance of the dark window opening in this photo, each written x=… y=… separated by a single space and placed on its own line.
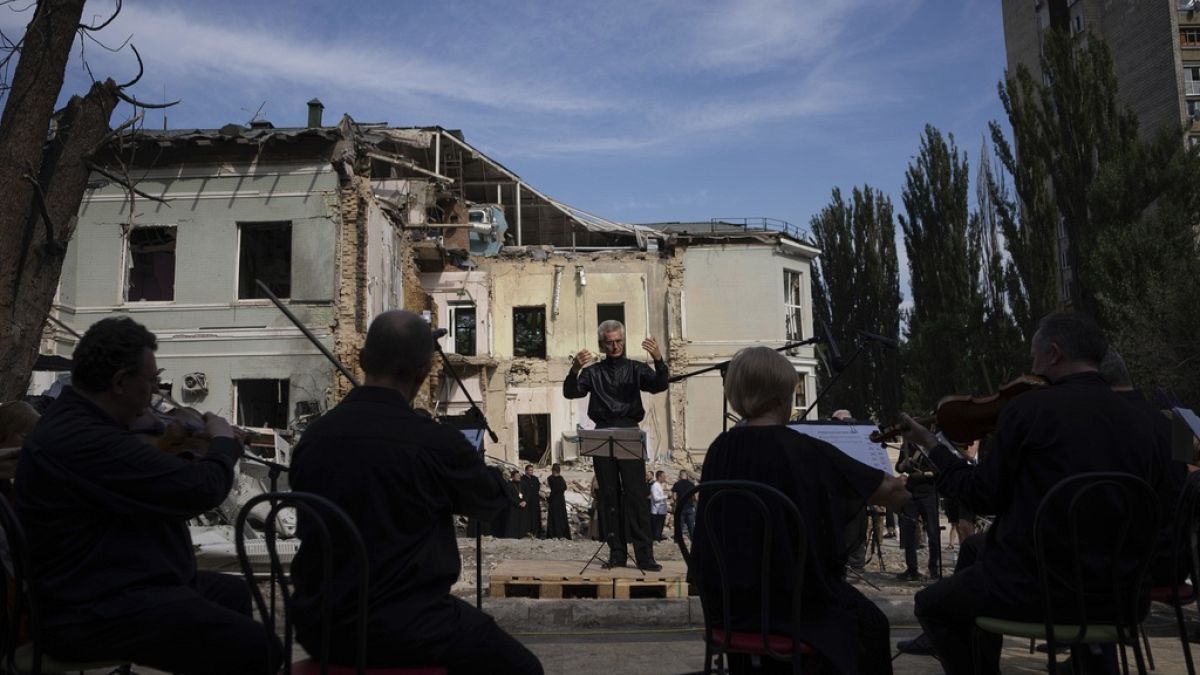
x=613 y=312
x=266 y=255
x=533 y=437
x=462 y=321
x=262 y=403
x=529 y=332
x=151 y=264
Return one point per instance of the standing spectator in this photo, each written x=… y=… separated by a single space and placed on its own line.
x=515 y=525
x=557 y=526
x=658 y=506
x=915 y=465
x=531 y=488
x=685 y=512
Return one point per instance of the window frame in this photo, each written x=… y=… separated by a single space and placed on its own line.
x=127 y=266
x=283 y=384
x=242 y=227
x=793 y=311
x=452 y=323
x=522 y=309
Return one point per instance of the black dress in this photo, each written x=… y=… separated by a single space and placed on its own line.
x=514 y=523
x=828 y=488
x=531 y=487
x=557 y=526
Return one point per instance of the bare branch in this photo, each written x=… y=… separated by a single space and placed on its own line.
x=108 y=21
x=126 y=184
x=133 y=101
x=141 y=69
x=116 y=49
x=114 y=133
x=53 y=246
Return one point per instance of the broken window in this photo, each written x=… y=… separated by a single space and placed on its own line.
x=266 y=256
x=533 y=437
x=800 y=402
x=610 y=312
x=151 y=265
x=462 y=323
x=261 y=403
x=793 y=294
x=529 y=332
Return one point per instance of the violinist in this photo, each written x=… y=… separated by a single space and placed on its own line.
x=1075 y=425
x=106 y=514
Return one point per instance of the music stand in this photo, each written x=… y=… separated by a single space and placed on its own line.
x=617 y=443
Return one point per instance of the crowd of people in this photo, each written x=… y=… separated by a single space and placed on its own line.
x=116 y=573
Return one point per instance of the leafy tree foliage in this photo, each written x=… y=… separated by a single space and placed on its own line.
x=856 y=286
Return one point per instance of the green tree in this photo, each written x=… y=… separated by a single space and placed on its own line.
x=942 y=241
x=856 y=286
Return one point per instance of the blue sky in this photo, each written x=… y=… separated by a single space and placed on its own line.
x=637 y=111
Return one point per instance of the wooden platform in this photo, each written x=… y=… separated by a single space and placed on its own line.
x=554 y=579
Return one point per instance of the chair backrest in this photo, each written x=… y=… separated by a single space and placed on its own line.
x=326 y=517
x=1185 y=527
x=1094 y=536
x=21 y=601
x=730 y=513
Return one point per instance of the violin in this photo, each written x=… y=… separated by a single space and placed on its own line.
x=964 y=418
x=176 y=429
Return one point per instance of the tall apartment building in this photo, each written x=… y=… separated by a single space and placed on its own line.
x=1155 y=46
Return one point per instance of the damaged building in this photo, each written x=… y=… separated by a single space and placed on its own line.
x=345 y=222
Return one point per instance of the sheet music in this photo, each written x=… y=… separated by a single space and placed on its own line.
x=852 y=439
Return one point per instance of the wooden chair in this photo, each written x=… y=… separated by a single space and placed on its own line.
x=326 y=516
x=19 y=601
x=1128 y=539
x=757 y=504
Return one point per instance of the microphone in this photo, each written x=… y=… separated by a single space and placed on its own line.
x=439 y=333
x=835 y=354
x=881 y=339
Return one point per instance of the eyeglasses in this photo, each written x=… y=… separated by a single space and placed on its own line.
x=612 y=343
x=155 y=381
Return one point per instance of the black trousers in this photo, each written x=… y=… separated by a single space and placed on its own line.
x=923 y=505
x=856 y=540
x=211 y=634
x=627 y=478
x=658 y=521
x=466 y=641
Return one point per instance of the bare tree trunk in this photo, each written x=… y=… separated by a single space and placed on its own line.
x=41 y=183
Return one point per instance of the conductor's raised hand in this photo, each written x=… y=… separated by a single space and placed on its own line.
x=651 y=347
x=581 y=359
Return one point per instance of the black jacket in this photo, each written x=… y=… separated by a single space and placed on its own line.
x=106 y=513
x=400 y=476
x=615 y=386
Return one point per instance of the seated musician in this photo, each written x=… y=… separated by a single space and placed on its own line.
x=1164 y=571
x=1076 y=425
x=401 y=477
x=828 y=487
x=106 y=517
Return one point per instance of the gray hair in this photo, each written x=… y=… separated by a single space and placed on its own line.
x=610 y=326
x=759 y=381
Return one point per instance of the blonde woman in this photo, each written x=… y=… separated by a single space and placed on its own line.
x=848 y=631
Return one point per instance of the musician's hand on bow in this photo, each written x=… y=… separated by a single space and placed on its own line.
x=915 y=433
x=651 y=347
x=583 y=358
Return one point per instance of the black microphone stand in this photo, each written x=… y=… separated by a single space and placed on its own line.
x=274 y=471
x=722 y=366
x=833 y=380
x=475 y=412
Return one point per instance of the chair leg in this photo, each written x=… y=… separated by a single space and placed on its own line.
x=1183 y=637
x=1141 y=628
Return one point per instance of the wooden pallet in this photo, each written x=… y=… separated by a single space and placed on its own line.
x=546 y=579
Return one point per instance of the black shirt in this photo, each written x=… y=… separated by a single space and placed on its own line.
x=400 y=476
x=1076 y=425
x=106 y=513
x=829 y=489
x=615 y=385
x=681 y=486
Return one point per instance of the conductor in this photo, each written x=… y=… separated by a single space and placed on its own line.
x=615 y=385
